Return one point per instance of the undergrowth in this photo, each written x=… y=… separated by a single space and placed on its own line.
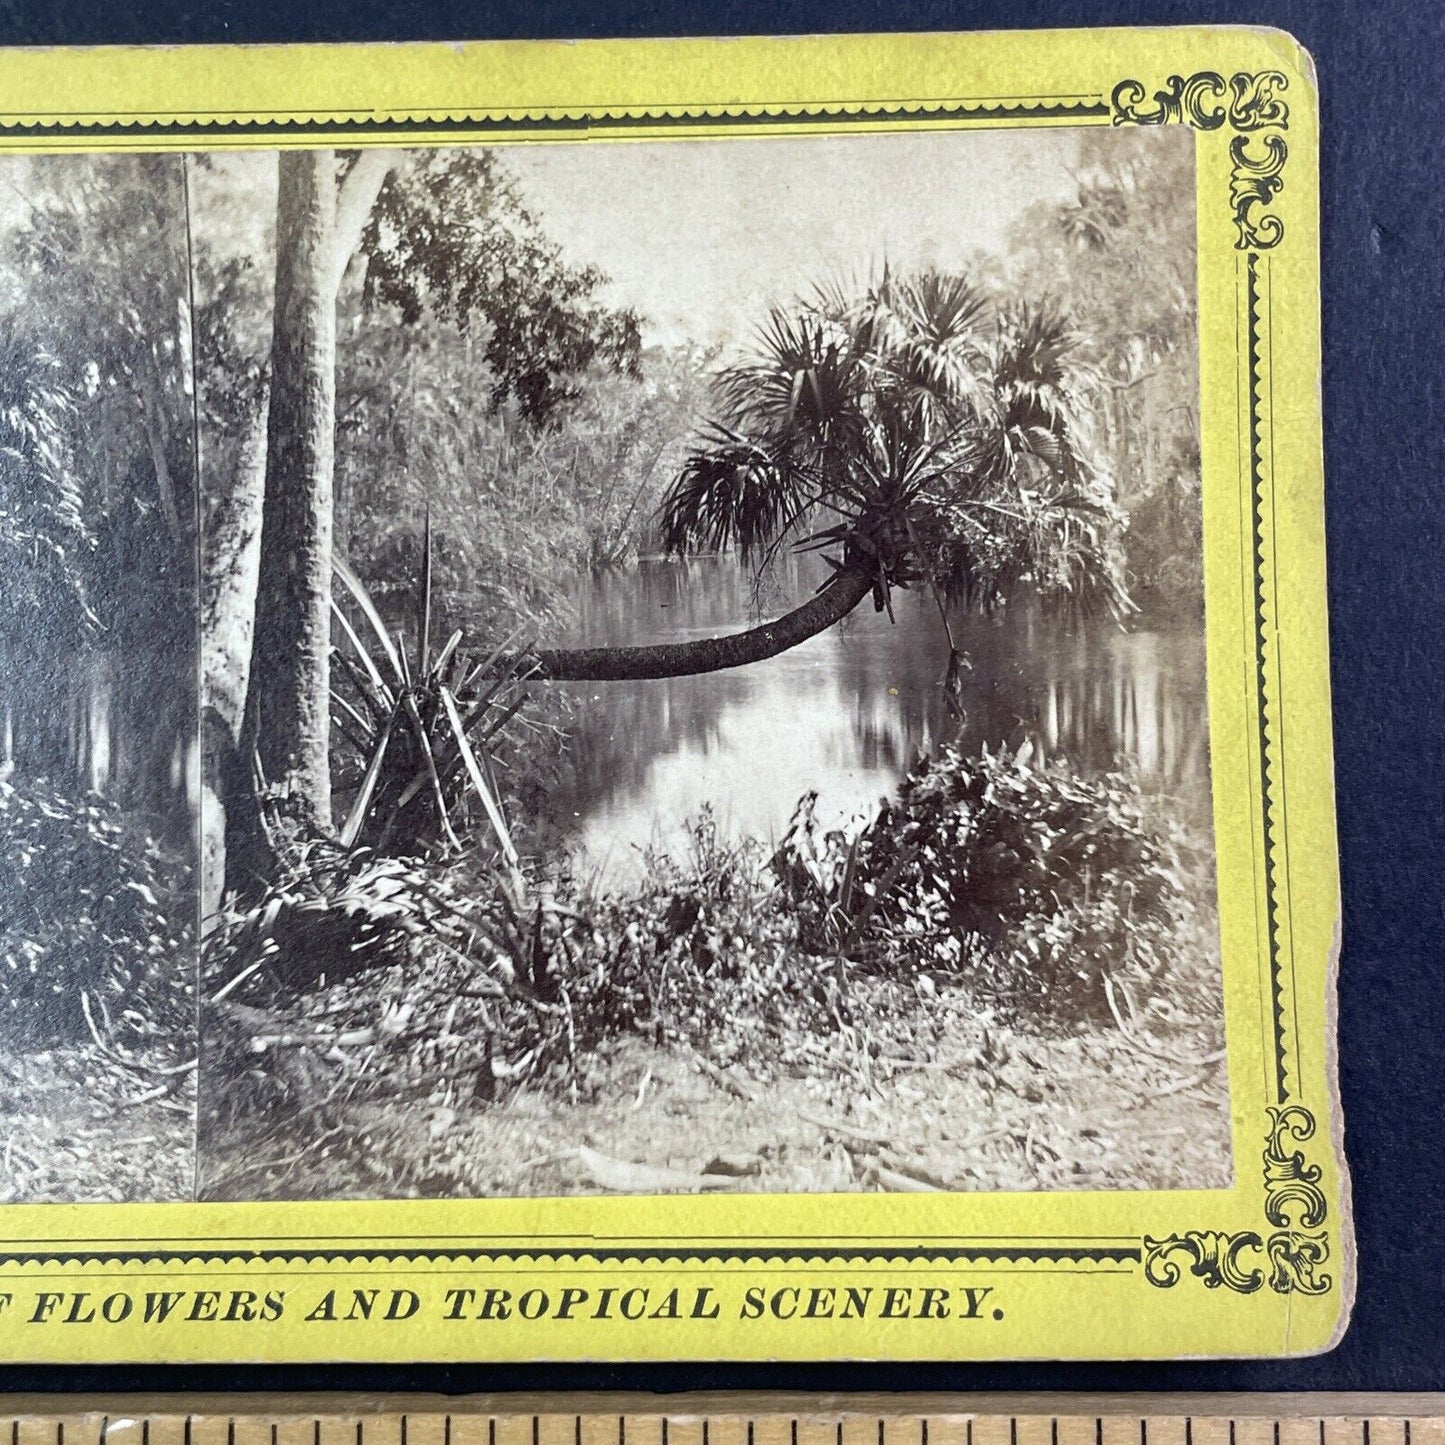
x=96 y=925
x=1037 y=882
x=1053 y=898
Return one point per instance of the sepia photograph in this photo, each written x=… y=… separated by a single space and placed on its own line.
x=580 y=668
x=704 y=672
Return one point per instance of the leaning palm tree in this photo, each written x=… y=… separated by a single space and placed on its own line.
x=915 y=434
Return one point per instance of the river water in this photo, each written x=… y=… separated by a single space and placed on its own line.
x=847 y=712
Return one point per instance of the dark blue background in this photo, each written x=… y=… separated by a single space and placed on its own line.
x=1382 y=78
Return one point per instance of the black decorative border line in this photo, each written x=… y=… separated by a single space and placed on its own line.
x=1294 y=1204
x=568 y=122
x=1265 y=633
x=983 y=1254
x=1295 y=1207
x=1249 y=104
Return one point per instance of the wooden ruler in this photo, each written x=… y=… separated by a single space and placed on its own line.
x=725 y=1419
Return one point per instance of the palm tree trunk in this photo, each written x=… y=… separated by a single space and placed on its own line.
x=687 y=659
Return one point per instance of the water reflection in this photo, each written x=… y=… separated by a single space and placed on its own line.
x=847 y=712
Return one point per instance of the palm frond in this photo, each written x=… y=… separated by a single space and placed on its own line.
x=931 y=331
x=940 y=435
x=484 y=792
x=802 y=388
x=419 y=759
x=351 y=830
x=362 y=598
x=733 y=492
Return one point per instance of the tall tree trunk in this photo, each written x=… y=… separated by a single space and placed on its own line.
x=318 y=225
x=230 y=565
x=291 y=663
x=230 y=568
x=834 y=602
x=154 y=420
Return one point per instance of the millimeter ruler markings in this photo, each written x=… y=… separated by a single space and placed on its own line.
x=751 y=1419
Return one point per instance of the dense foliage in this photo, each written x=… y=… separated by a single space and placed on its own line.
x=95 y=917
x=1031 y=884
x=97 y=502
x=368 y=981
x=451 y=240
x=45 y=539
x=516 y=510
x=487 y=385
x=1036 y=881
x=1122 y=250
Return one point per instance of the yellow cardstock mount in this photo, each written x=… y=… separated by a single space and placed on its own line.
x=1262 y=1268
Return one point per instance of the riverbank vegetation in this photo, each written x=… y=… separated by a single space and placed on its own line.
x=816 y=1015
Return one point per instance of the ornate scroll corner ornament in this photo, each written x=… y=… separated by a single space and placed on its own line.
x=1197 y=100
x=1205 y=100
x=1213 y=1256
x=1292 y=1193
x=1254 y=181
x=1294 y=1203
x=1254 y=100
x=1294 y=1258
x=1247 y=103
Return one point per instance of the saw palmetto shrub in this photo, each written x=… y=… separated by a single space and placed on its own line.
x=93 y=917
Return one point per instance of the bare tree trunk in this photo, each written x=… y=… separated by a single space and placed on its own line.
x=318 y=225
x=686 y=659
x=154 y=421
x=291 y=665
x=230 y=565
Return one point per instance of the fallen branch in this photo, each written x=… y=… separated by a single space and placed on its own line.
x=914 y=1171
x=1152 y=1049
x=897 y=1182
x=114 y=1056
x=1179 y=1086
x=723 y=1078
x=843 y=1131
x=622 y=1177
